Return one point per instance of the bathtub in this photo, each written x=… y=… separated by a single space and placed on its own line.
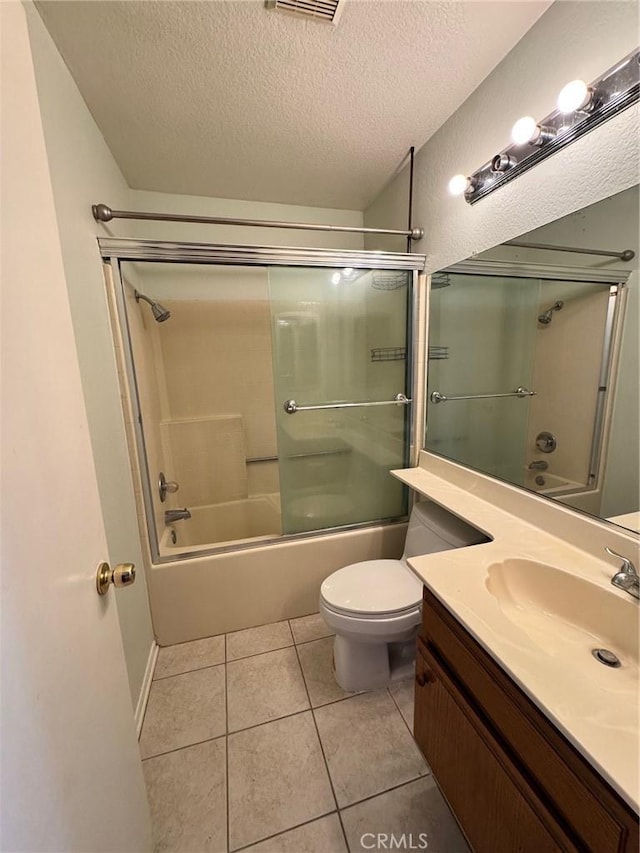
x=231 y=523
x=209 y=594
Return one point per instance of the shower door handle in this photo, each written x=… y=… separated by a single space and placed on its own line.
x=291 y=407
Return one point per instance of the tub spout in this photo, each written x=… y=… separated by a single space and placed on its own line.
x=171 y=515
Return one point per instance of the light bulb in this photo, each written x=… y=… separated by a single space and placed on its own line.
x=575 y=96
x=525 y=130
x=459 y=184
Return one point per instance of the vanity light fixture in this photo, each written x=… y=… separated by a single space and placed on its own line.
x=527 y=130
x=460 y=184
x=575 y=96
x=581 y=107
x=503 y=162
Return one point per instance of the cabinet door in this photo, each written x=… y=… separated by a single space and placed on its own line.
x=491 y=801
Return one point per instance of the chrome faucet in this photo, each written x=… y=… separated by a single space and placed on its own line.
x=171 y=515
x=626 y=577
x=538 y=465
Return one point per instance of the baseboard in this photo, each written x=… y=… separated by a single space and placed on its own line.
x=143 y=698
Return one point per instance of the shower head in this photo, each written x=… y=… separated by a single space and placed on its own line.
x=546 y=317
x=160 y=313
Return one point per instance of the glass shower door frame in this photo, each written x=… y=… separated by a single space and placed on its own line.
x=616 y=279
x=114 y=251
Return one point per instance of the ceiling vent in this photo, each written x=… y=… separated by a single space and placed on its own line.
x=318 y=10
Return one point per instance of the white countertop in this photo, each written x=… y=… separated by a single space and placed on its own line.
x=594 y=706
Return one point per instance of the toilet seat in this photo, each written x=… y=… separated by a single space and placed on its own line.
x=372 y=589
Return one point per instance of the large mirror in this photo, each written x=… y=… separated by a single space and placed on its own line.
x=533 y=372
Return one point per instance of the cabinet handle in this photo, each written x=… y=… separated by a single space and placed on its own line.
x=423 y=678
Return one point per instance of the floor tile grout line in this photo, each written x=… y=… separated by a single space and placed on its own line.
x=261 y=654
x=266 y=652
x=222 y=663
x=228 y=734
x=226 y=740
x=284 y=831
x=188 y=671
x=266 y=722
x=324 y=757
x=400 y=710
x=243 y=657
x=385 y=791
x=178 y=748
x=312 y=640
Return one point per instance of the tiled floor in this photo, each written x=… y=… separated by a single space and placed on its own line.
x=249 y=744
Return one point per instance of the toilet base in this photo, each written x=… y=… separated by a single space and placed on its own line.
x=369 y=666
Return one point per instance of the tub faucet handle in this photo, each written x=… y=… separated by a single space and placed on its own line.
x=165 y=486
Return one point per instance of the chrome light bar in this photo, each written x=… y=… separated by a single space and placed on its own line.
x=534 y=141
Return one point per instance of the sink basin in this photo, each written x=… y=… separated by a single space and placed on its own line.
x=568 y=616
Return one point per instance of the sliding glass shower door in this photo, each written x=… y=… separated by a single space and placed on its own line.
x=340 y=342
x=213 y=352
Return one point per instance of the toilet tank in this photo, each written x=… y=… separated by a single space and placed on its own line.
x=433 y=528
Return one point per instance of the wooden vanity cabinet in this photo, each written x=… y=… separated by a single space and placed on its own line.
x=513 y=780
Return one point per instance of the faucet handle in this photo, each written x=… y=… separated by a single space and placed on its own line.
x=627 y=566
x=165 y=486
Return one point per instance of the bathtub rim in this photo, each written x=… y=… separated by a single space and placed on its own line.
x=262 y=541
x=271 y=500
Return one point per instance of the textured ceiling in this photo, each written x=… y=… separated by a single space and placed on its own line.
x=229 y=99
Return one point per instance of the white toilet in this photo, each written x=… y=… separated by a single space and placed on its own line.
x=374 y=607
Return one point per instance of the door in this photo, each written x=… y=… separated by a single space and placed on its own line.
x=71 y=776
x=340 y=337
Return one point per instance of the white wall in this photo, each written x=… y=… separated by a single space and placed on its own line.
x=82 y=169
x=572 y=39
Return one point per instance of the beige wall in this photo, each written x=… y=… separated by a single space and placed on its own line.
x=585 y=39
x=239 y=235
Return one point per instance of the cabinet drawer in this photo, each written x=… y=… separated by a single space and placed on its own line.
x=494 y=804
x=585 y=805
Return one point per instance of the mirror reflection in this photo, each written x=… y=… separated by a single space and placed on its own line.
x=533 y=362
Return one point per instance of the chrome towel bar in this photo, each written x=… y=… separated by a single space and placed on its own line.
x=437 y=397
x=291 y=407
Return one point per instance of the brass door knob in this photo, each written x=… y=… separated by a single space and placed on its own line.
x=124 y=574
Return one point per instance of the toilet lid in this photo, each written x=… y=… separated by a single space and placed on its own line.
x=372 y=587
